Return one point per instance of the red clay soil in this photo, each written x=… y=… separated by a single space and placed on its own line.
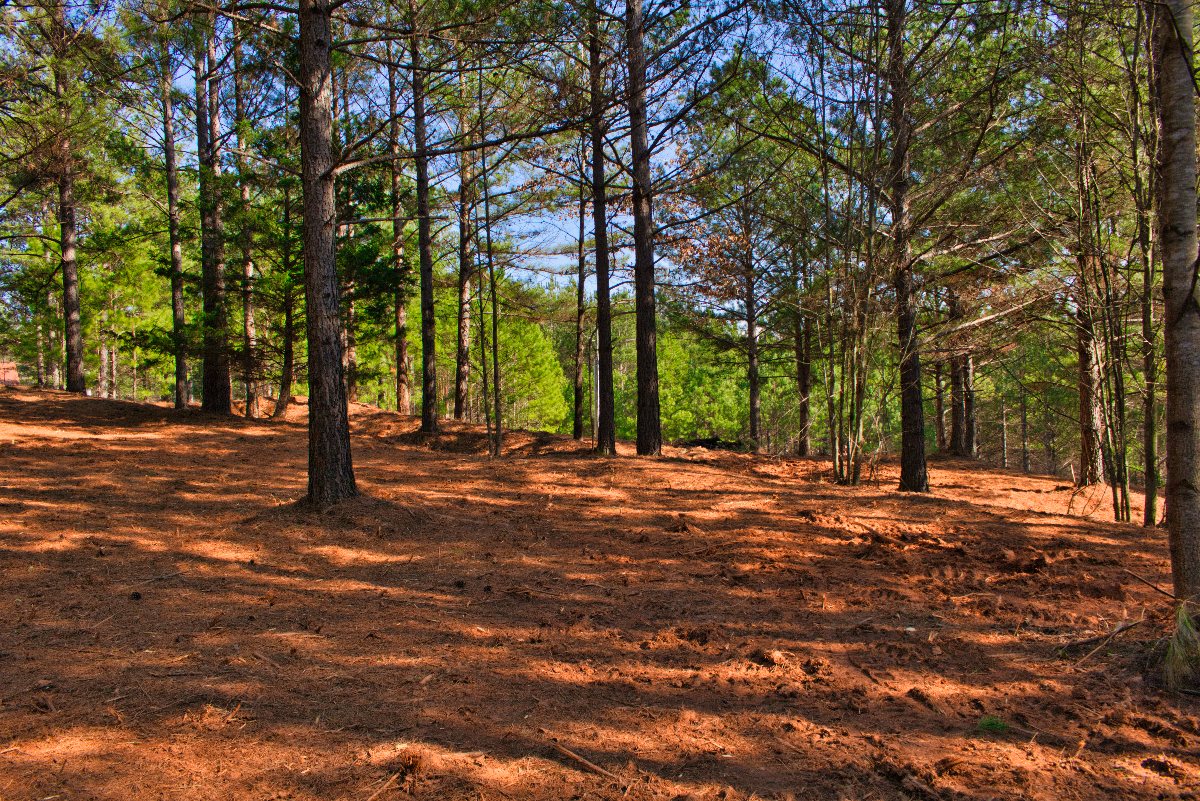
x=552 y=625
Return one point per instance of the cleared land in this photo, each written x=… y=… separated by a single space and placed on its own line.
x=554 y=625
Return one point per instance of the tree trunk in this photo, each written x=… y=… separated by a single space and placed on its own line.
x=958 y=406
x=485 y=181
x=580 y=306
x=752 y=371
x=803 y=348
x=288 y=370
x=68 y=266
x=245 y=236
x=1177 y=244
x=939 y=406
x=429 y=398
x=1091 y=466
x=1003 y=437
x=913 y=473
x=1024 y=433
x=466 y=272
x=178 y=318
x=330 y=469
x=970 y=423
x=215 y=381
x=399 y=265
x=649 y=427
x=606 y=429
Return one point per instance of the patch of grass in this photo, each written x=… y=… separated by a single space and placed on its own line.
x=990 y=724
x=1181 y=665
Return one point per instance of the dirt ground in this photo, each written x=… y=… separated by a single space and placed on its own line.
x=552 y=625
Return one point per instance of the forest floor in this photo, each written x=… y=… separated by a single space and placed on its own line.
x=553 y=625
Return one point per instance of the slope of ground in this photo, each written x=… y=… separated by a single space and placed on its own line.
x=553 y=625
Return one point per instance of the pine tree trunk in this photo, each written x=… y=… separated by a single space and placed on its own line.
x=68 y=266
x=1177 y=244
x=958 y=407
x=913 y=474
x=178 y=318
x=288 y=369
x=939 y=406
x=1025 y=466
x=1091 y=467
x=752 y=368
x=330 y=469
x=803 y=348
x=399 y=265
x=649 y=427
x=580 y=308
x=429 y=397
x=215 y=380
x=466 y=271
x=606 y=429
x=245 y=236
x=970 y=423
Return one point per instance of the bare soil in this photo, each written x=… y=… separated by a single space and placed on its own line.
x=553 y=625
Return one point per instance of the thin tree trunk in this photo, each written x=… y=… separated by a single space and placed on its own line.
x=580 y=304
x=958 y=407
x=246 y=235
x=803 y=348
x=1003 y=436
x=497 y=407
x=178 y=318
x=68 y=266
x=1176 y=107
x=752 y=368
x=102 y=377
x=649 y=427
x=970 y=423
x=913 y=474
x=939 y=406
x=466 y=258
x=330 y=469
x=429 y=398
x=606 y=430
x=399 y=264
x=215 y=380
x=1024 y=433
x=1091 y=467
x=288 y=370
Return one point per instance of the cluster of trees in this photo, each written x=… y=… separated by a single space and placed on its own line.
x=837 y=228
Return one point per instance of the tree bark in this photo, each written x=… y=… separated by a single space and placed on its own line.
x=67 y=235
x=330 y=469
x=970 y=423
x=606 y=429
x=1176 y=108
x=399 y=264
x=752 y=368
x=1091 y=465
x=913 y=473
x=245 y=235
x=803 y=348
x=178 y=318
x=958 y=408
x=580 y=307
x=216 y=396
x=429 y=399
x=939 y=406
x=649 y=427
x=466 y=272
